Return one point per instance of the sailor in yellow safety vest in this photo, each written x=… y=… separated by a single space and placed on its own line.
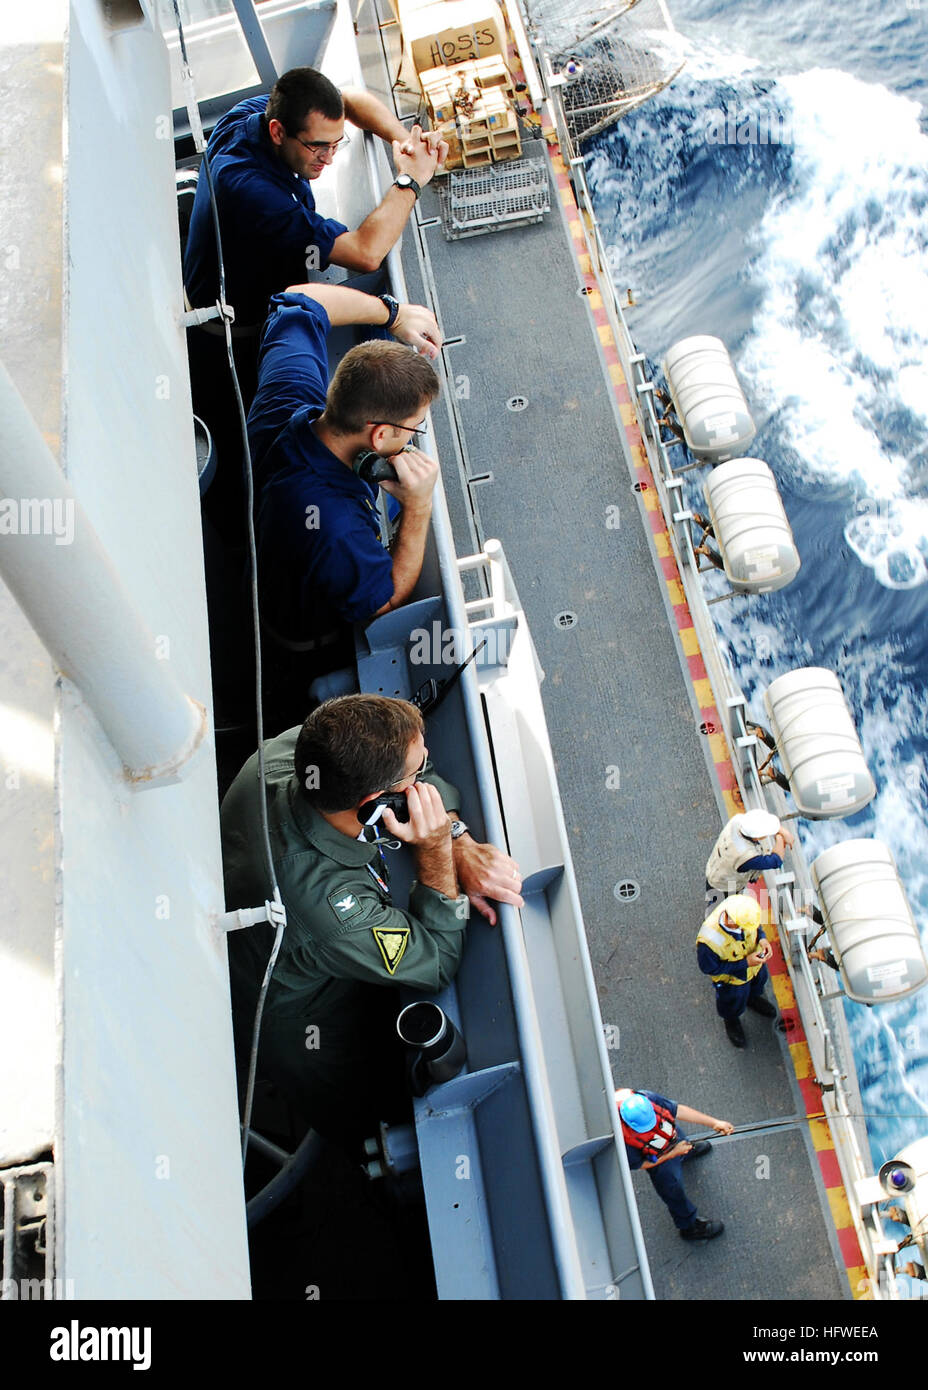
x=731 y=947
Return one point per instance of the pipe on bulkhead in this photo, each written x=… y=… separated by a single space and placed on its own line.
x=57 y=569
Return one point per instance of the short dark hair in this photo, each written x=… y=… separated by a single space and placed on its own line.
x=352 y=746
x=297 y=93
x=378 y=381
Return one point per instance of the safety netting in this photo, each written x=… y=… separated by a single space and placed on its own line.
x=611 y=57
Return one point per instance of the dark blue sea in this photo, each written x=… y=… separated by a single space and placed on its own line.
x=807 y=253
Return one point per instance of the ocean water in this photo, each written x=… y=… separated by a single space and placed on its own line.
x=776 y=195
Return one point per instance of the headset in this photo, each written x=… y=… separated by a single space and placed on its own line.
x=374 y=468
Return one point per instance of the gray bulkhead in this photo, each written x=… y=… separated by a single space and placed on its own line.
x=128 y=1045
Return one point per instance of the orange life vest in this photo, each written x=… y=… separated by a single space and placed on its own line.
x=655 y=1141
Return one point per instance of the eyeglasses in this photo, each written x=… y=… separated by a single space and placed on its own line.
x=414 y=775
x=417 y=431
x=324 y=146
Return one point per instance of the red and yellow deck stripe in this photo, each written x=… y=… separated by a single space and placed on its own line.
x=712 y=724
x=818 y=1125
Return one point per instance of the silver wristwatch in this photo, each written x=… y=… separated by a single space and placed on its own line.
x=458 y=828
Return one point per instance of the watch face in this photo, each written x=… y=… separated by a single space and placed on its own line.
x=404 y=180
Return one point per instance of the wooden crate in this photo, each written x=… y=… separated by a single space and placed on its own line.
x=506 y=141
x=448 y=131
x=492 y=73
x=477 y=157
x=472 y=140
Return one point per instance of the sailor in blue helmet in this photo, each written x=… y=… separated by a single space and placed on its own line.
x=655 y=1143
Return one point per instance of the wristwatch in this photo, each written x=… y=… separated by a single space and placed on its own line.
x=406 y=181
x=393 y=308
x=458 y=828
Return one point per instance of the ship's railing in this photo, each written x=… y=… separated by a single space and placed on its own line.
x=27 y=1240
x=593 y=1217
x=791 y=888
x=551 y=946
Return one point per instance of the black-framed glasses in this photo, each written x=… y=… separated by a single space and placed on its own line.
x=324 y=146
x=420 y=429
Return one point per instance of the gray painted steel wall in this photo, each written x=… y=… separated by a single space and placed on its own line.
x=30 y=331
x=146 y=1127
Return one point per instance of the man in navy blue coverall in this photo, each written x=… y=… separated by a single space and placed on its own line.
x=322 y=562
x=665 y=1166
x=263 y=156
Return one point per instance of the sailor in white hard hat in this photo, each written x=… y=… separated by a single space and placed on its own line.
x=752 y=842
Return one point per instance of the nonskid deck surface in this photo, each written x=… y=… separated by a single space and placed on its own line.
x=635 y=783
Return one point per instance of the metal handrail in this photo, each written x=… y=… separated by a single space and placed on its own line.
x=500 y=603
x=563 y=1236
x=830 y=1073
x=503 y=603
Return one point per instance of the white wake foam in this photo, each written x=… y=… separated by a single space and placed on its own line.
x=840 y=341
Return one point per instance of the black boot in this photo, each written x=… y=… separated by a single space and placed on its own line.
x=762 y=1006
x=702 y=1229
x=699 y=1150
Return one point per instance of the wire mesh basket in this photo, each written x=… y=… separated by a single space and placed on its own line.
x=510 y=194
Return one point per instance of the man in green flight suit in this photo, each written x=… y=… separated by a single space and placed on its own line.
x=328 y=1037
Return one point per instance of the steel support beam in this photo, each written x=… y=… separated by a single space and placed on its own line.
x=256 y=40
x=56 y=568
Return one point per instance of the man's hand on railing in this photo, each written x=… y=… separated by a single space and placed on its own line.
x=416 y=326
x=485 y=872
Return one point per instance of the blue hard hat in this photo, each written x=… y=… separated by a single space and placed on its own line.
x=638 y=1113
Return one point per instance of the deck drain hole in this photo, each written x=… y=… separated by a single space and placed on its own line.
x=517 y=403
x=707 y=728
x=565 y=619
x=626 y=890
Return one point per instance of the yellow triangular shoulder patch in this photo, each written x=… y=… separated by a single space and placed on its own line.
x=392 y=943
